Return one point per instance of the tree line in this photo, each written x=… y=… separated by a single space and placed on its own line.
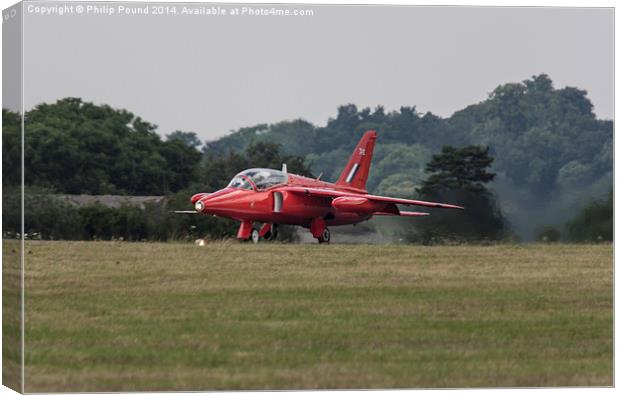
x=78 y=147
x=527 y=149
x=552 y=155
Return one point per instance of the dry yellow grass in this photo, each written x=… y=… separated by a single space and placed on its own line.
x=105 y=316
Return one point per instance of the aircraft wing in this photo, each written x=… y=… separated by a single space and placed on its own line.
x=409 y=202
x=403 y=213
x=332 y=193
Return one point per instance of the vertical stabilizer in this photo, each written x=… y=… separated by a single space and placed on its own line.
x=355 y=173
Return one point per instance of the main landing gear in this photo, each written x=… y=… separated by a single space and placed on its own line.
x=247 y=232
x=325 y=236
x=319 y=230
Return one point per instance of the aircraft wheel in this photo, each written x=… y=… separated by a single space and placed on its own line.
x=254 y=236
x=325 y=236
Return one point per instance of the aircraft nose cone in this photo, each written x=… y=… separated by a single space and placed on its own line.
x=211 y=202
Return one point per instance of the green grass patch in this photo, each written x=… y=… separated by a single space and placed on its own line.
x=105 y=316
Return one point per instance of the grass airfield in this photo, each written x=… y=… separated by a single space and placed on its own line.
x=111 y=316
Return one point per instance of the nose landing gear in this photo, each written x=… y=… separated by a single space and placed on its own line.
x=255 y=236
x=248 y=233
x=245 y=230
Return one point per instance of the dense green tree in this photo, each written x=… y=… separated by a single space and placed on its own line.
x=73 y=146
x=329 y=164
x=391 y=160
x=464 y=169
x=594 y=223
x=188 y=138
x=459 y=176
x=11 y=148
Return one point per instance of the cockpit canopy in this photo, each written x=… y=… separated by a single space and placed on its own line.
x=261 y=178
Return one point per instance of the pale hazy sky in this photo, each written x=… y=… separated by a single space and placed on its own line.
x=211 y=74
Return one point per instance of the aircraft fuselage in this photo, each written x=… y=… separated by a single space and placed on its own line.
x=274 y=205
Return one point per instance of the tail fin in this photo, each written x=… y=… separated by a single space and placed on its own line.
x=355 y=173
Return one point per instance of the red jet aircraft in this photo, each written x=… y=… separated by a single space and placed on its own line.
x=275 y=197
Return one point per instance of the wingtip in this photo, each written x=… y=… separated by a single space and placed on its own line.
x=453 y=206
